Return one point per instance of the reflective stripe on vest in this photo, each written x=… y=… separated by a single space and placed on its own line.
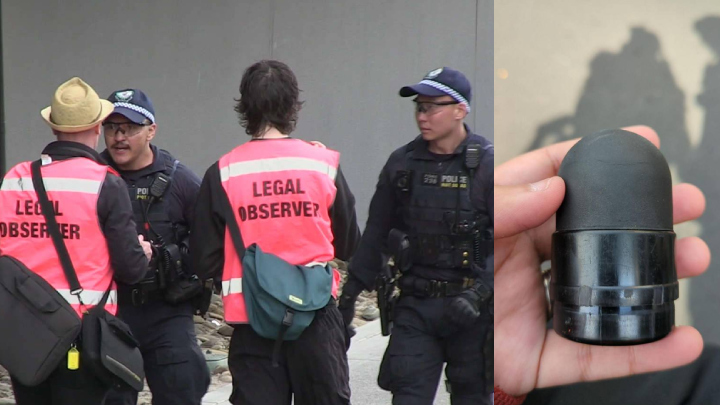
x=282 y=187
x=73 y=187
x=88 y=297
x=232 y=286
x=53 y=184
x=276 y=165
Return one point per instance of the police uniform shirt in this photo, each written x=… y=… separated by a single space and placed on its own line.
x=180 y=197
x=384 y=205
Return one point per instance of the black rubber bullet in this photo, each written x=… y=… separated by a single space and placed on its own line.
x=613 y=253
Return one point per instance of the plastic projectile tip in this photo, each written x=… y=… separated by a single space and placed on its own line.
x=615 y=179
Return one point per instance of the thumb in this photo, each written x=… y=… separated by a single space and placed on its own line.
x=526 y=206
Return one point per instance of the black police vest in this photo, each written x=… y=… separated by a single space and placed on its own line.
x=156 y=214
x=440 y=219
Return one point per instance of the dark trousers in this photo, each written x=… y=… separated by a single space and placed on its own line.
x=697 y=383
x=314 y=368
x=422 y=340
x=71 y=387
x=175 y=368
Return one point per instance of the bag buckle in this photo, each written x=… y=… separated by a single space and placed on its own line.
x=288 y=318
x=287 y=322
x=79 y=297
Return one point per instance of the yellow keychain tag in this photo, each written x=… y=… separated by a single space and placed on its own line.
x=73 y=359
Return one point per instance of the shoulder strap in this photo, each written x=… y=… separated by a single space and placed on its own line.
x=52 y=225
x=234 y=229
x=232 y=225
x=163 y=182
x=167 y=178
x=174 y=168
x=171 y=176
x=49 y=213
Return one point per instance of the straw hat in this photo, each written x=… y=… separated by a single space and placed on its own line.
x=76 y=107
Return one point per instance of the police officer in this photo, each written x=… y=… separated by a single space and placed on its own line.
x=102 y=243
x=163 y=193
x=436 y=189
x=291 y=199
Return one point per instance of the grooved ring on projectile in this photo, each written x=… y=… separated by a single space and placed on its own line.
x=602 y=296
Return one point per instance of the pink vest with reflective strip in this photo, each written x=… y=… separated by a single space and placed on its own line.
x=281 y=192
x=73 y=186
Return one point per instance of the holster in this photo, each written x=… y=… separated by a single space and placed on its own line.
x=386 y=302
x=183 y=289
x=399 y=245
x=202 y=301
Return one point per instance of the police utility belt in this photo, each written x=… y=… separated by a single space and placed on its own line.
x=144 y=292
x=397 y=274
x=404 y=257
x=424 y=288
x=165 y=271
x=174 y=290
x=456 y=251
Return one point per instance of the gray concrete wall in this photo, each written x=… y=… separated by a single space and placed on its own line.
x=566 y=69
x=351 y=57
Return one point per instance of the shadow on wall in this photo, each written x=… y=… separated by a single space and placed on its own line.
x=636 y=86
x=626 y=88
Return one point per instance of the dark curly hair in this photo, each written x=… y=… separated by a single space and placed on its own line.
x=269 y=97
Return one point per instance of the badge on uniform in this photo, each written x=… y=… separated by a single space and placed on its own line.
x=124 y=96
x=445 y=180
x=433 y=74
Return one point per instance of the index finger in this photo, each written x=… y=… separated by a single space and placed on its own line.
x=545 y=162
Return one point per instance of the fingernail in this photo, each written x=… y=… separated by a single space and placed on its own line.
x=541 y=185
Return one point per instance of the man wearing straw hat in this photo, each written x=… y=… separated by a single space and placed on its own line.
x=91 y=200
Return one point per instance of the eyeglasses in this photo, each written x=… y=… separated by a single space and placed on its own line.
x=429 y=107
x=129 y=129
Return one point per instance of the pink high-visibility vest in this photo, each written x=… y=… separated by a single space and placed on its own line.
x=281 y=191
x=73 y=187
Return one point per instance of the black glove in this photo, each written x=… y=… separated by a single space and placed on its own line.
x=352 y=288
x=465 y=308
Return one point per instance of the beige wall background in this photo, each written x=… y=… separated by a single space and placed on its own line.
x=568 y=68
x=350 y=57
x=545 y=48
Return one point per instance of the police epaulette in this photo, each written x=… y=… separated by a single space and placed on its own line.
x=170 y=168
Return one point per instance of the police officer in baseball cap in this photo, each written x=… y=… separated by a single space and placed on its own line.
x=163 y=193
x=440 y=185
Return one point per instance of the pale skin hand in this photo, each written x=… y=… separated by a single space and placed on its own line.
x=146 y=247
x=527 y=356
